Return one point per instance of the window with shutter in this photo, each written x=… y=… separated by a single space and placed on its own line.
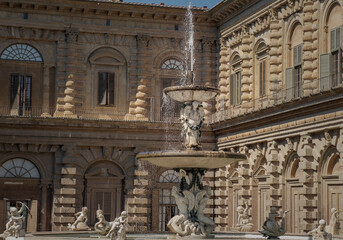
x=20 y=93
x=335 y=39
x=14 y=89
x=28 y=89
x=297 y=55
x=238 y=88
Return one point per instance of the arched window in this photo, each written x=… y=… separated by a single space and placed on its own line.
x=261 y=68
x=169 y=176
x=21 y=52
x=18 y=168
x=294 y=72
x=172 y=64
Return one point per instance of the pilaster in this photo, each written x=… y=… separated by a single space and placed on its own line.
x=222 y=99
x=275 y=55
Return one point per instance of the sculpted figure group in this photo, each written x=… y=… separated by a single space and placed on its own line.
x=14 y=226
x=271 y=228
x=191 y=199
x=323 y=232
x=243 y=222
x=115 y=230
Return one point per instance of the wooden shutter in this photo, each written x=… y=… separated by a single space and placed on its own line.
x=102 y=88
x=28 y=93
x=14 y=88
x=262 y=78
x=325 y=71
x=239 y=88
x=111 y=88
x=289 y=83
x=232 y=89
x=335 y=39
x=297 y=55
x=32 y=218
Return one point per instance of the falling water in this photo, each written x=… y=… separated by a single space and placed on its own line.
x=187 y=78
x=168 y=108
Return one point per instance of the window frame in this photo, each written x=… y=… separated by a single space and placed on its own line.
x=107 y=91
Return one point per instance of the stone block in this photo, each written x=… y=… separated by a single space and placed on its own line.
x=65 y=191
x=68 y=170
x=141 y=182
x=68 y=181
x=139 y=210
x=64 y=219
x=62 y=200
x=139 y=191
x=137 y=201
x=61 y=210
x=141 y=173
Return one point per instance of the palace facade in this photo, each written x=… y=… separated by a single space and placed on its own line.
x=82 y=95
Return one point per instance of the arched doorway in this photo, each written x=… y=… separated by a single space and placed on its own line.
x=104 y=187
x=164 y=206
x=332 y=186
x=20 y=183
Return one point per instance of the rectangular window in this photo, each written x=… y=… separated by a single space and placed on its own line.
x=20 y=92
x=105 y=88
x=262 y=78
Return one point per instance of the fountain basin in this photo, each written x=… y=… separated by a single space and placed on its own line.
x=191 y=159
x=191 y=93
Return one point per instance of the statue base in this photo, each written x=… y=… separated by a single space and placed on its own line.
x=193 y=237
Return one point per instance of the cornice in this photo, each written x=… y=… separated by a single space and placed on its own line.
x=107 y=9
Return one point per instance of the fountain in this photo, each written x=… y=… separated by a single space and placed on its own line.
x=191 y=162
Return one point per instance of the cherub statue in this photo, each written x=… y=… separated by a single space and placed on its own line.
x=118 y=227
x=319 y=233
x=102 y=226
x=243 y=223
x=334 y=224
x=14 y=226
x=271 y=228
x=81 y=221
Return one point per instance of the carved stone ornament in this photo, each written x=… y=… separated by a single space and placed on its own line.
x=271 y=228
x=319 y=233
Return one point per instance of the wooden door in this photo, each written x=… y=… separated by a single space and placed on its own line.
x=105 y=200
x=263 y=207
x=295 y=210
x=335 y=200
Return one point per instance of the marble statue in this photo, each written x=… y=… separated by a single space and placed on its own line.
x=319 y=233
x=80 y=223
x=192 y=117
x=243 y=222
x=334 y=224
x=115 y=230
x=102 y=226
x=14 y=226
x=118 y=227
x=271 y=228
x=191 y=204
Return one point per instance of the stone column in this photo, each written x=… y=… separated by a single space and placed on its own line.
x=223 y=83
x=275 y=56
x=68 y=73
x=68 y=193
x=46 y=91
x=308 y=168
x=208 y=72
x=310 y=49
x=43 y=223
x=247 y=70
x=144 y=74
x=274 y=168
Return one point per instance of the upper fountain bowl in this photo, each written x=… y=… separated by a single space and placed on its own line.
x=190 y=158
x=191 y=93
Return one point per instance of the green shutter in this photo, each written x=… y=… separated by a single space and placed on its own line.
x=338 y=38
x=300 y=54
x=335 y=39
x=325 y=71
x=239 y=88
x=102 y=88
x=111 y=88
x=289 y=83
x=232 y=89
x=28 y=93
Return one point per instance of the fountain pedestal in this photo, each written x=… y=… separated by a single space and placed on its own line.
x=191 y=164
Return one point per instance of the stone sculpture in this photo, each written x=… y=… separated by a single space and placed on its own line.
x=118 y=227
x=271 y=228
x=334 y=224
x=192 y=117
x=115 y=230
x=80 y=223
x=14 y=226
x=243 y=222
x=319 y=233
x=102 y=226
x=191 y=204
